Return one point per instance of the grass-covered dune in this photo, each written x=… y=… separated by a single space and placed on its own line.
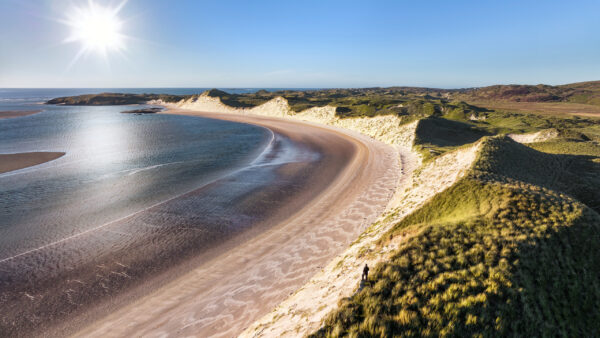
x=414 y=101
x=510 y=249
x=362 y=102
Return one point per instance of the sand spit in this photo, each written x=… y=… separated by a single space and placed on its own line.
x=17 y=113
x=10 y=162
x=229 y=293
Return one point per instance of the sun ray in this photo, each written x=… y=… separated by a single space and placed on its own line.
x=97 y=28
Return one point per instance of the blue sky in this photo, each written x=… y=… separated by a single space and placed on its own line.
x=322 y=43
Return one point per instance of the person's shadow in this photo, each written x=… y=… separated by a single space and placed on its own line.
x=363 y=283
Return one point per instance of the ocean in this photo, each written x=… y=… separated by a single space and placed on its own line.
x=135 y=197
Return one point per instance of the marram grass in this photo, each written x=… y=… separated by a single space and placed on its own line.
x=502 y=252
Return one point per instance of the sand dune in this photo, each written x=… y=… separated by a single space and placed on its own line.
x=227 y=294
x=303 y=312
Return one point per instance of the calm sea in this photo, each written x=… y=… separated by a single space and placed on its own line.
x=133 y=196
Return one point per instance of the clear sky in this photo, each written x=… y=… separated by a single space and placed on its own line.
x=220 y=43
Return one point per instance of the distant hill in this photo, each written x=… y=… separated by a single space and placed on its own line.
x=105 y=99
x=582 y=92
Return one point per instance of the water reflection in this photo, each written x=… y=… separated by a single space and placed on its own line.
x=125 y=205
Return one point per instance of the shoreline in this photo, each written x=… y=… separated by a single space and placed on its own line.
x=11 y=162
x=227 y=294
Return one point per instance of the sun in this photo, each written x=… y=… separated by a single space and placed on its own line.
x=97 y=28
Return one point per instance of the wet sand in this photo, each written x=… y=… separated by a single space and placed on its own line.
x=227 y=293
x=17 y=113
x=10 y=162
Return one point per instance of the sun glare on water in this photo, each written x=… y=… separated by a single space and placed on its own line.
x=97 y=28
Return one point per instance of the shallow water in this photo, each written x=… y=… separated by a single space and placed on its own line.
x=134 y=196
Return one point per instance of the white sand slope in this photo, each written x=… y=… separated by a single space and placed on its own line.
x=539 y=136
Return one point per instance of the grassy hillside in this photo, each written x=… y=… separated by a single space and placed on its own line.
x=577 y=98
x=583 y=92
x=511 y=249
x=446 y=124
x=584 y=96
x=449 y=130
x=349 y=102
x=435 y=136
x=105 y=99
x=574 y=98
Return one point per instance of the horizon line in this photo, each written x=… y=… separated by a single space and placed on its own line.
x=305 y=87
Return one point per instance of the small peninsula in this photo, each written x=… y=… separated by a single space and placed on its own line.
x=110 y=99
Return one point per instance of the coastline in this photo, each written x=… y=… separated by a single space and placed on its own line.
x=227 y=294
x=10 y=162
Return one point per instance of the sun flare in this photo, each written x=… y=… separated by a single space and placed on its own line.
x=97 y=28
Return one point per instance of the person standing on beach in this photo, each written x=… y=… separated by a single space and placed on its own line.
x=365 y=274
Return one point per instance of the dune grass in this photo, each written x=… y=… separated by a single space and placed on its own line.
x=502 y=252
x=435 y=136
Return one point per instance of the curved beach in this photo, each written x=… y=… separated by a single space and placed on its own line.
x=231 y=291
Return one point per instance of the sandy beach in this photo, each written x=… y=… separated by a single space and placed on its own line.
x=231 y=291
x=17 y=113
x=10 y=162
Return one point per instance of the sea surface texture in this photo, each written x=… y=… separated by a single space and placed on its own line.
x=135 y=197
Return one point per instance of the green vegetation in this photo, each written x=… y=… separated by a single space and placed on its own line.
x=420 y=102
x=435 y=135
x=447 y=123
x=576 y=141
x=510 y=249
x=366 y=102
x=504 y=122
x=582 y=92
x=105 y=99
